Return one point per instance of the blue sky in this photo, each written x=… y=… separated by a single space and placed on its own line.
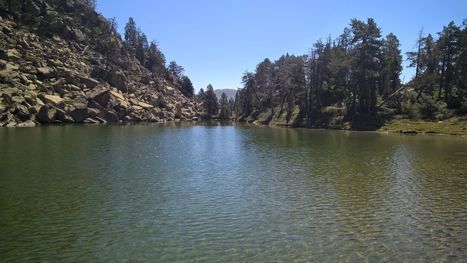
x=217 y=40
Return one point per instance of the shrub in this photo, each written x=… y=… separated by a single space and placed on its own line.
x=410 y=109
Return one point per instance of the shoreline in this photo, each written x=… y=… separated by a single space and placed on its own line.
x=452 y=127
x=456 y=126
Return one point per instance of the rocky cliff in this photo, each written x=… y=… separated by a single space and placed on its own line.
x=61 y=62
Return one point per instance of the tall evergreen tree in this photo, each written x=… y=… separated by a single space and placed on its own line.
x=141 y=47
x=366 y=62
x=187 y=87
x=201 y=96
x=319 y=79
x=210 y=102
x=340 y=68
x=155 y=59
x=461 y=66
x=391 y=66
x=131 y=35
x=224 y=113
x=448 y=47
x=231 y=107
x=248 y=96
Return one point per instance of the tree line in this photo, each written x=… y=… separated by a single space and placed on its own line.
x=355 y=80
x=212 y=107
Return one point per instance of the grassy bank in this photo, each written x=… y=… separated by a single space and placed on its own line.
x=452 y=126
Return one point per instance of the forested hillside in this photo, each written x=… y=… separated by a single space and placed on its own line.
x=353 y=81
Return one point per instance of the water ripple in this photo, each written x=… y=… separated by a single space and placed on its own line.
x=180 y=193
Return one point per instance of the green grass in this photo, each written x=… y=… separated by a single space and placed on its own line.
x=452 y=126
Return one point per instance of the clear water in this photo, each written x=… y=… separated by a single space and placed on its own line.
x=182 y=193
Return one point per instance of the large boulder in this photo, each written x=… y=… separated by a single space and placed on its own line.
x=9 y=73
x=46 y=114
x=23 y=112
x=45 y=72
x=111 y=116
x=118 y=80
x=79 y=112
x=119 y=103
x=26 y=124
x=62 y=116
x=141 y=104
x=117 y=95
x=94 y=112
x=9 y=92
x=101 y=96
x=12 y=55
x=88 y=81
x=169 y=90
x=17 y=99
x=53 y=99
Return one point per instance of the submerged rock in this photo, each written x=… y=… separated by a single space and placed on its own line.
x=27 y=124
x=409 y=132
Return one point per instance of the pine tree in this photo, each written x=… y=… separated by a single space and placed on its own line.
x=224 y=107
x=448 y=47
x=155 y=59
x=248 y=95
x=175 y=69
x=231 y=107
x=461 y=66
x=319 y=79
x=187 y=87
x=141 y=46
x=131 y=34
x=264 y=80
x=201 y=95
x=391 y=66
x=366 y=63
x=340 y=68
x=210 y=101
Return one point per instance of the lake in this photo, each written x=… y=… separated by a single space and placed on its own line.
x=213 y=193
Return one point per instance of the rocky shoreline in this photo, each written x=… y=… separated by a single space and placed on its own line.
x=27 y=108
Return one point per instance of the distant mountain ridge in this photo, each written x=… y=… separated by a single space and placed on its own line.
x=230 y=93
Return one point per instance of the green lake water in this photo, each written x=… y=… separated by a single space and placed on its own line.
x=227 y=193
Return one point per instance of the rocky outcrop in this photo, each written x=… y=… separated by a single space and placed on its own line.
x=56 y=67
